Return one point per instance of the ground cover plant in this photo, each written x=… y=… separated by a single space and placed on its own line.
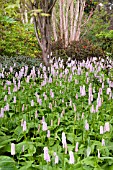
x=17 y=39
x=57 y=121
x=106 y=41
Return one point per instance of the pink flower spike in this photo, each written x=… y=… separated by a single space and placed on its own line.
x=96 y=108
x=48 y=134
x=86 y=125
x=2 y=113
x=103 y=142
x=9 y=92
x=76 y=96
x=51 y=93
x=24 y=126
x=12 y=149
x=92 y=109
x=5 y=98
x=64 y=140
x=56 y=159
x=36 y=114
x=44 y=126
x=71 y=160
x=101 y=130
x=76 y=147
x=106 y=127
x=108 y=90
x=14 y=101
x=46 y=155
x=22 y=107
x=32 y=103
x=58 y=121
x=83 y=115
x=51 y=122
x=74 y=108
x=98 y=153
x=7 y=107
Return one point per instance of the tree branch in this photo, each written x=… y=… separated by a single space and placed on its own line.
x=36 y=31
x=51 y=7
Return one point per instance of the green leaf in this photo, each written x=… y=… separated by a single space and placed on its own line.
x=103 y=158
x=45 y=14
x=78 y=166
x=7 y=163
x=28 y=164
x=5 y=140
x=36 y=10
x=110 y=167
x=70 y=137
x=89 y=161
x=88 y=151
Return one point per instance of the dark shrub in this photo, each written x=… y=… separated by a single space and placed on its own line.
x=80 y=50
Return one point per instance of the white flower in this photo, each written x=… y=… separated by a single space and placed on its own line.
x=64 y=140
x=86 y=125
x=12 y=149
x=101 y=130
x=46 y=155
x=76 y=147
x=71 y=160
x=44 y=126
x=106 y=127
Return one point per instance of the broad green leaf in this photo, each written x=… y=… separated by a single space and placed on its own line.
x=7 y=163
x=89 y=161
x=78 y=166
x=88 y=151
x=28 y=164
x=70 y=137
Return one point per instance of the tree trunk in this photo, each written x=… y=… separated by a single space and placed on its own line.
x=54 y=25
x=46 y=41
x=76 y=10
x=67 y=24
x=81 y=12
x=61 y=20
x=71 y=15
x=71 y=20
x=43 y=28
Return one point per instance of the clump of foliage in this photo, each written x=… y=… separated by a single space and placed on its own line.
x=105 y=39
x=17 y=62
x=17 y=39
x=100 y=21
x=80 y=50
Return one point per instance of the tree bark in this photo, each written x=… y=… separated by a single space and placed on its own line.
x=81 y=12
x=54 y=25
x=61 y=19
x=42 y=24
x=71 y=15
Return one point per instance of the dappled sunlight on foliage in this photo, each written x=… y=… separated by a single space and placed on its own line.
x=17 y=39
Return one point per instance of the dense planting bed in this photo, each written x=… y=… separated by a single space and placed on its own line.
x=60 y=122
